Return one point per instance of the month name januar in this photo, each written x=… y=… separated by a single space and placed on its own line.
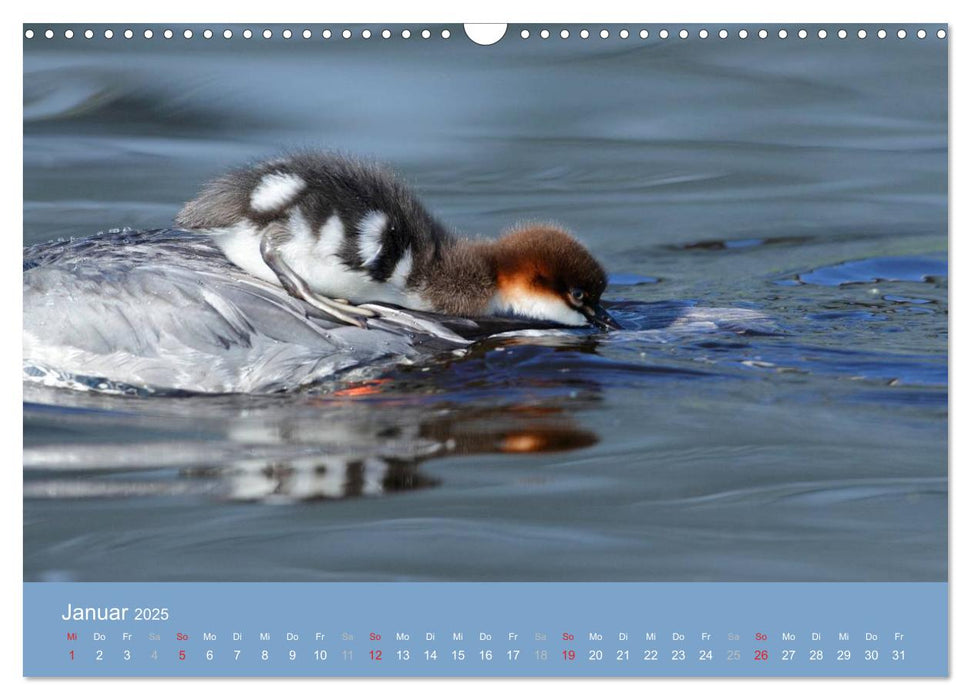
x=79 y=613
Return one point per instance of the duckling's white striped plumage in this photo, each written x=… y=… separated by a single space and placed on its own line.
x=346 y=229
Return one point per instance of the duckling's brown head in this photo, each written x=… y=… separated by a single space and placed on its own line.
x=543 y=272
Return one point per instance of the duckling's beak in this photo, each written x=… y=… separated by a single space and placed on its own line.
x=598 y=316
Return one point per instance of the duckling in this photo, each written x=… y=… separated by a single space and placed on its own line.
x=338 y=232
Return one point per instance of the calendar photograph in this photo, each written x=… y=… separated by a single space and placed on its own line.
x=374 y=304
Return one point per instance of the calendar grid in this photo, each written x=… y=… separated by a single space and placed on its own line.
x=480 y=629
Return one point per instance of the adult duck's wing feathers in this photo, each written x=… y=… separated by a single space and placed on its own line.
x=166 y=310
x=458 y=329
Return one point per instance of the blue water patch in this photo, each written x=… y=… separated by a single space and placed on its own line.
x=872 y=270
x=625 y=279
x=744 y=243
x=896 y=298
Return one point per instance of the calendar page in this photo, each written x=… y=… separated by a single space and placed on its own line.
x=526 y=350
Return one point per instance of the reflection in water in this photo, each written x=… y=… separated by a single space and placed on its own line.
x=343 y=449
x=312 y=478
x=398 y=452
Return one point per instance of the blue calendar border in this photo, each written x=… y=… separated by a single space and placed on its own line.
x=917 y=611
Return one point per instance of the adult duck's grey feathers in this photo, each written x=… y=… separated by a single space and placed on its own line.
x=165 y=309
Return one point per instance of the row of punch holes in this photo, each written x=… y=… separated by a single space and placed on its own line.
x=524 y=34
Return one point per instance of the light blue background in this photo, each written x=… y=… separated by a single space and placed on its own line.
x=916 y=610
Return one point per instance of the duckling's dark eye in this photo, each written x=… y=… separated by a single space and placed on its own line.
x=577 y=294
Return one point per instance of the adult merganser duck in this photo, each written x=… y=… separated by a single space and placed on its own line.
x=164 y=310
x=336 y=232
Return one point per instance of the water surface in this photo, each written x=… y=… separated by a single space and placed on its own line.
x=798 y=187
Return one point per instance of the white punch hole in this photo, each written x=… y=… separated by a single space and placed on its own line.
x=486 y=34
